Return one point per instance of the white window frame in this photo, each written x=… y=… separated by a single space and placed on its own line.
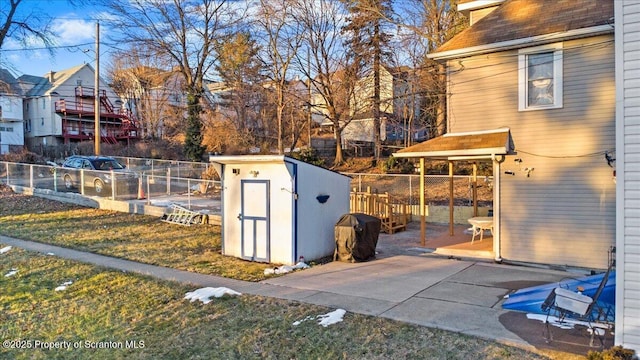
x=523 y=74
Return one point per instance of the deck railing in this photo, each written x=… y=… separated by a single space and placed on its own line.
x=394 y=217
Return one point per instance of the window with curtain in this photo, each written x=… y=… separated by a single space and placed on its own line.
x=540 y=78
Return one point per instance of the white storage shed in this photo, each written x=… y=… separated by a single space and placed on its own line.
x=277 y=209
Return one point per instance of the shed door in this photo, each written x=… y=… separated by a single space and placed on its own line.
x=254 y=218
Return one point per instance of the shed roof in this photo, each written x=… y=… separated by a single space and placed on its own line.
x=264 y=159
x=524 y=19
x=479 y=144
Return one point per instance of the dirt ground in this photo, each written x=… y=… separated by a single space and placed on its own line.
x=10 y=200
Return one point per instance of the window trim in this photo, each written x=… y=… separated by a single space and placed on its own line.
x=557 y=49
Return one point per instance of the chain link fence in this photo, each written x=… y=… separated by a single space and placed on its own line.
x=405 y=189
x=141 y=180
x=154 y=179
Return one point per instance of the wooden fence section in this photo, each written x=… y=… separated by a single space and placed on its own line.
x=394 y=217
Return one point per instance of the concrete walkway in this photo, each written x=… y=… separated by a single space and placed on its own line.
x=427 y=290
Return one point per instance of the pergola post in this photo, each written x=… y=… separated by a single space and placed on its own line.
x=474 y=191
x=423 y=220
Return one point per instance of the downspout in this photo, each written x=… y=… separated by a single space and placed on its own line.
x=496 y=207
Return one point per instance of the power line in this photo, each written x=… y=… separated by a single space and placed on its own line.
x=47 y=47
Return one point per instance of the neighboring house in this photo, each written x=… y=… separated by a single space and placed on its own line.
x=541 y=73
x=59 y=108
x=220 y=96
x=11 y=116
x=397 y=105
x=627 y=18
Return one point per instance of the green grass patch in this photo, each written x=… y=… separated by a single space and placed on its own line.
x=139 y=238
x=102 y=307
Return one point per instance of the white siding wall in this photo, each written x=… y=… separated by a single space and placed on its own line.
x=628 y=162
x=11 y=124
x=41 y=110
x=316 y=221
x=564 y=213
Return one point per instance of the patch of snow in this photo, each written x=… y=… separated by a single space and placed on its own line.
x=63 y=286
x=325 y=319
x=296 y=323
x=161 y=203
x=205 y=294
x=286 y=269
x=11 y=273
x=5 y=249
x=331 y=318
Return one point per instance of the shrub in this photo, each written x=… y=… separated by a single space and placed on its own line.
x=614 y=353
x=397 y=166
x=308 y=155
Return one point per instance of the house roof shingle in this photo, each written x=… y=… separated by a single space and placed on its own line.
x=521 y=19
x=41 y=85
x=472 y=144
x=8 y=83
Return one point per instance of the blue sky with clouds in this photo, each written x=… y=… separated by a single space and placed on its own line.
x=74 y=31
x=74 y=36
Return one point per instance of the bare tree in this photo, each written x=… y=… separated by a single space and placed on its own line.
x=282 y=39
x=184 y=31
x=331 y=72
x=240 y=70
x=424 y=25
x=428 y=25
x=146 y=89
x=367 y=38
x=297 y=100
x=23 y=25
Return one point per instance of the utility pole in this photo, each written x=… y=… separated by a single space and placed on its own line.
x=97 y=134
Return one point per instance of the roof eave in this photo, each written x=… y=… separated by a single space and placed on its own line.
x=520 y=43
x=486 y=153
x=242 y=159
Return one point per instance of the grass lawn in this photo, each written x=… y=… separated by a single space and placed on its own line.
x=140 y=238
x=108 y=308
x=150 y=319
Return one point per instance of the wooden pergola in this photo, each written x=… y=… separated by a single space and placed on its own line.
x=491 y=145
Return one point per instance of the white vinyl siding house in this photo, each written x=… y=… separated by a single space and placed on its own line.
x=563 y=212
x=627 y=17
x=11 y=122
x=43 y=126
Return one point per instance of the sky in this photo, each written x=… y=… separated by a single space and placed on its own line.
x=74 y=31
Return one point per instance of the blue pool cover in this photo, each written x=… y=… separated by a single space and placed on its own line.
x=530 y=299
